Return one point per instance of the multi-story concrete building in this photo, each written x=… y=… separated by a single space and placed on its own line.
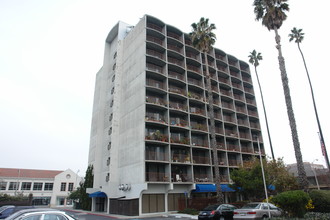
x=48 y=187
x=150 y=140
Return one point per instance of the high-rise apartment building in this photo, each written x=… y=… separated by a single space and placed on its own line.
x=150 y=139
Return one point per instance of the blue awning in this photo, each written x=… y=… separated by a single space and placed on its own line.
x=212 y=188
x=98 y=194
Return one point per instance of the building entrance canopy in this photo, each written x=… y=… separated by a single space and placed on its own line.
x=212 y=188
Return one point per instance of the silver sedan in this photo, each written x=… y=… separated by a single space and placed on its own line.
x=257 y=210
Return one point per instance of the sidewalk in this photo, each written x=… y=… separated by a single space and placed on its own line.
x=173 y=215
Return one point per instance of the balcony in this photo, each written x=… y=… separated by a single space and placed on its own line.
x=237 y=85
x=155 y=40
x=197 y=111
x=233 y=162
x=155 y=54
x=173 y=35
x=155 y=84
x=176 y=75
x=227 y=105
x=222 y=69
x=242 y=122
x=245 y=135
x=232 y=147
x=155 y=27
x=224 y=80
x=201 y=160
x=178 y=106
x=157 y=177
x=222 y=161
x=155 y=68
x=218 y=130
x=175 y=61
x=156 y=156
x=194 y=68
x=255 y=125
x=195 y=82
x=246 y=149
x=179 y=122
x=200 y=177
x=184 y=140
x=198 y=126
x=156 y=100
x=192 y=55
x=157 y=136
x=224 y=178
x=196 y=96
x=252 y=113
x=241 y=109
x=228 y=118
x=181 y=158
x=199 y=142
x=220 y=57
x=152 y=117
x=177 y=90
x=181 y=177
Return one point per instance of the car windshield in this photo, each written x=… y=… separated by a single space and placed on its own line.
x=211 y=208
x=251 y=206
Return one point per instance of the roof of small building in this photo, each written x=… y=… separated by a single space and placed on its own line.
x=28 y=173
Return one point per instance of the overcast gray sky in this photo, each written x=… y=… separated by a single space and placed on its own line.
x=51 y=50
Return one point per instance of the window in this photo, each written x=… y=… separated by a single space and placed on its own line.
x=114 y=67
x=110 y=117
x=49 y=186
x=115 y=55
x=13 y=186
x=109 y=146
x=110 y=131
x=54 y=217
x=3 y=185
x=63 y=186
x=70 y=187
x=113 y=78
x=26 y=186
x=112 y=90
x=37 y=186
x=32 y=217
x=111 y=104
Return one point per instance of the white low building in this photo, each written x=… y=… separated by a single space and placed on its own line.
x=48 y=187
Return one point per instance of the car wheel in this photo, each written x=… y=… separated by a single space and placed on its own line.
x=264 y=217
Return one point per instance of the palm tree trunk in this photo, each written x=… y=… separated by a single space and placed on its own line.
x=263 y=105
x=324 y=151
x=220 y=198
x=302 y=178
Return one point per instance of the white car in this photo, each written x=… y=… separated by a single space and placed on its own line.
x=257 y=210
x=45 y=215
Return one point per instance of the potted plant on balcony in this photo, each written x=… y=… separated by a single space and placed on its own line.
x=157 y=135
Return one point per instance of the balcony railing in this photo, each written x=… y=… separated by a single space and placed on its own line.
x=228 y=118
x=195 y=82
x=175 y=48
x=224 y=178
x=198 y=126
x=218 y=130
x=244 y=135
x=220 y=57
x=233 y=162
x=242 y=122
x=155 y=118
x=175 y=61
x=196 y=96
x=246 y=149
x=174 y=35
x=192 y=55
x=237 y=85
x=198 y=111
x=222 y=161
x=179 y=122
x=157 y=177
x=155 y=83
x=199 y=142
x=227 y=105
x=155 y=27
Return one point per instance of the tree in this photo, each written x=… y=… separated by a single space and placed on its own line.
x=272 y=14
x=254 y=60
x=298 y=36
x=248 y=178
x=80 y=194
x=203 y=39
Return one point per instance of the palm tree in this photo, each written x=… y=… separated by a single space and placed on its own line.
x=203 y=39
x=298 y=36
x=272 y=14
x=254 y=60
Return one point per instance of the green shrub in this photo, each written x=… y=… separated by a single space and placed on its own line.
x=293 y=202
x=189 y=211
x=321 y=200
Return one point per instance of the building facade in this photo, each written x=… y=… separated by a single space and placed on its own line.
x=150 y=140
x=48 y=187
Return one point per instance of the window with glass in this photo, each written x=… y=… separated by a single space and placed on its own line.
x=37 y=186
x=26 y=186
x=70 y=187
x=3 y=185
x=13 y=186
x=49 y=186
x=63 y=186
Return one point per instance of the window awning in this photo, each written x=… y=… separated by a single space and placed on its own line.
x=98 y=194
x=212 y=188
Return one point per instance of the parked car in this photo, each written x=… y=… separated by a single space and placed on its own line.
x=24 y=211
x=215 y=212
x=257 y=210
x=45 y=215
x=8 y=210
